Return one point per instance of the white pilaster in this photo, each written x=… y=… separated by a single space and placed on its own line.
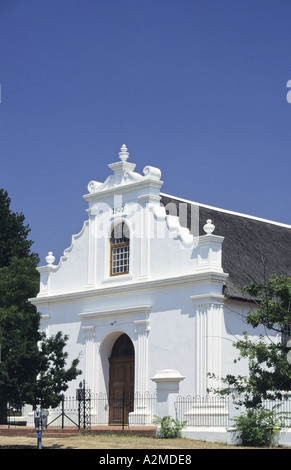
x=141 y=414
x=144 y=242
x=142 y=329
x=89 y=334
x=92 y=248
x=201 y=349
x=209 y=317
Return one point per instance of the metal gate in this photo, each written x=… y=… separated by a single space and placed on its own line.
x=84 y=406
x=85 y=410
x=82 y=418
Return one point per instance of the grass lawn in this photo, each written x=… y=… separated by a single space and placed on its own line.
x=107 y=442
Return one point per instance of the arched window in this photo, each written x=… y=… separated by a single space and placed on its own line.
x=119 y=259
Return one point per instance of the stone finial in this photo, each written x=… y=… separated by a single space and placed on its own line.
x=123 y=154
x=209 y=227
x=50 y=258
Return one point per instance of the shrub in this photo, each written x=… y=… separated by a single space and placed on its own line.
x=257 y=427
x=170 y=427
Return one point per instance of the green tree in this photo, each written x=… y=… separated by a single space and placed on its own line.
x=269 y=371
x=24 y=364
x=13 y=234
x=19 y=320
x=53 y=377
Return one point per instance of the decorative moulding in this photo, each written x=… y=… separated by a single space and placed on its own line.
x=130 y=288
x=167 y=375
x=152 y=172
x=50 y=257
x=124 y=175
x=207 y=299
x=173 y=224
x=89 y=330
x=142 y=325
x=135 y=310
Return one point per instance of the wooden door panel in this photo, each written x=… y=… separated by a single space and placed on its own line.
x=121 y=389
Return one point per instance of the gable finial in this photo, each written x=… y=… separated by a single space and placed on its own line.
x=50 y=258
x=123 y=154
x=208 y=227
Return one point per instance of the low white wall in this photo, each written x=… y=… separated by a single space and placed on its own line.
x=227 y=435
x=208 y=434
x=285 y=437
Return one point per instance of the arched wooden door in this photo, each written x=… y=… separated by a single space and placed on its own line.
x=121 y=381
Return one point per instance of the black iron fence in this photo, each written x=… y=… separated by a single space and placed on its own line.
x=202 y=411
x=89 y=409
x=282 y=409
x=220 y=411
x=86 y=410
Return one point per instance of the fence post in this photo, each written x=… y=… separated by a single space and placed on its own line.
x=84 y=407
x=63 y=412
x=8 y=415
x=79 y=414
x=168 y=385
x=123 y=404
x=84 y=400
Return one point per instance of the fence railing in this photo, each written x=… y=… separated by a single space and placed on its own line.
x=101 y=409
x=220 y=411
x=282 y=409
x=202 y=411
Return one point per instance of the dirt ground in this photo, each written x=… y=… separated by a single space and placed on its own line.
x=108 y=442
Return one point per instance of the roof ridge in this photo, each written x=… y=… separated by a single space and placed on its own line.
x=227 y=211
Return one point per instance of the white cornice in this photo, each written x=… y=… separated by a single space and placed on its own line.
x=135 y=310
x=132 y=186
x=131 y=288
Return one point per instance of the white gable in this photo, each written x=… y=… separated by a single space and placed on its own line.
x=159 y=247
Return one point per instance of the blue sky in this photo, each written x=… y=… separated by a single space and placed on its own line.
x=194 y=87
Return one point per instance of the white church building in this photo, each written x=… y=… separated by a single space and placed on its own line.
x=149 y=292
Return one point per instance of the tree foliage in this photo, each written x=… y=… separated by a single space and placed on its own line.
x=13 y=234
x=53 y=376
x=25 y=367
x=269 y=371
x=19 y=320
x=273 y=300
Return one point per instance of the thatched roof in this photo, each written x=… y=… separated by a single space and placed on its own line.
x=253 y=249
